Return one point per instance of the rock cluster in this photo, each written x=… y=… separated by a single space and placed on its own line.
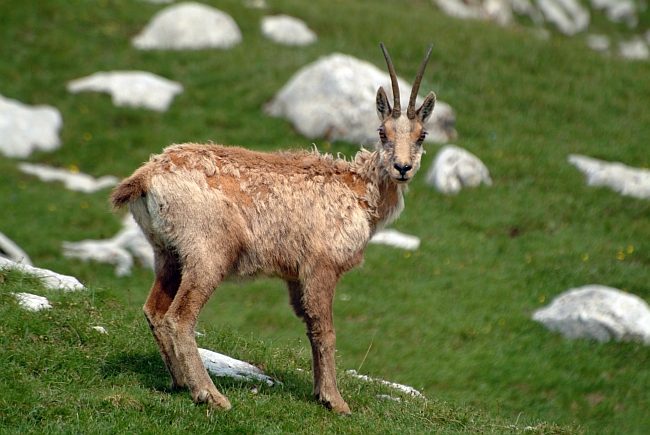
x=570 y=17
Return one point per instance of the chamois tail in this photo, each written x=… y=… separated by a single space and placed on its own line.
x=130 y=188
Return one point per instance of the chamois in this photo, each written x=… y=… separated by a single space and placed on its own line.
x=213 y=211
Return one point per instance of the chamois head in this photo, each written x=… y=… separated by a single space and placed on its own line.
x=401 y=134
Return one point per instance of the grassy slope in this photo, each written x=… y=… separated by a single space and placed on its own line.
x=59 y=375
x=451 y=319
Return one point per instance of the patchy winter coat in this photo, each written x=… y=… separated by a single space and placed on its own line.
x=211 y=211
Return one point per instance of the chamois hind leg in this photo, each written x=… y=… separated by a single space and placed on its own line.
x=165 y=286
x=312 y=300
x=200 y=276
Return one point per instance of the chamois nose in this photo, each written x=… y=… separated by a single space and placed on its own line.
x=402 y=169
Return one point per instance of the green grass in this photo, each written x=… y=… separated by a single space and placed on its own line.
x=452 y=319
x=59 y=375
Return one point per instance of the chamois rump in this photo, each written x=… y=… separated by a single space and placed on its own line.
x=213 y=211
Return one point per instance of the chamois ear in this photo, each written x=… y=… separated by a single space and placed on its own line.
x=383 y=106
x=425 y=111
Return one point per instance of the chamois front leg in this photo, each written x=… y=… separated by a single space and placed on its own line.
x=313 y=302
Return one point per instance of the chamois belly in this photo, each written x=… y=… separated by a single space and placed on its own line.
x=285 y=239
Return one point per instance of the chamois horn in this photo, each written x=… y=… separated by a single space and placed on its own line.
x=397 y=109
x=410 y=111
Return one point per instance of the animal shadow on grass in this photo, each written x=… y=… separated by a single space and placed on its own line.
x=151 y=373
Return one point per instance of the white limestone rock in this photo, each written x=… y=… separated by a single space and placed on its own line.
x=11 y=251
x=130 y=88
x=334 y=98
x=119 y=250
x=396 y=239
x=24 y=128
x=499 y=11
x=525 y=7
x=223 y=365
x=100 y=329
x=470 y=10
x=51 y=280
x=189 y=26
x=597 y=312
x=455 y=168
x=403 y=388
x=32 y=302
x=256 y=4
x=623 y=179
x=598 y=42
x=569 y=16
x=287 y=30
x=634 y=49
x=618 y=11
x=71 y=179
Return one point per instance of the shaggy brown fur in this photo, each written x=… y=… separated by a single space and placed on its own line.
x=211 y=211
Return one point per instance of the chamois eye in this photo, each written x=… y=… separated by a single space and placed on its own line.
x=423 y=135
x=382 y=133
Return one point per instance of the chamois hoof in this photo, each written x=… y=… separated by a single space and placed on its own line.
x=342 y=409
x=338 y=405
x=215 y=401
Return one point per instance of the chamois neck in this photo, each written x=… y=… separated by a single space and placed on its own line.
x=383 y=195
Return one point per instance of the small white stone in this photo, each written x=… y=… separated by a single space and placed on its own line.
x=462 y=10
x=189 y=26
x=256 y=4
x=634 y=49
x=130 y=88
x=455 y=168
x=72 y=180
x=626 y=180
x=403 y=388
x=24 y=129
x=32 y=302
x=51 y=280
x=287 y=30
x=598 y=42
x=13 y=252
x=118 y=250
x=597 y=312
x=100 y=329
x=618 y=11
x=569 y=16
x=396 y=239
x=223 y=365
